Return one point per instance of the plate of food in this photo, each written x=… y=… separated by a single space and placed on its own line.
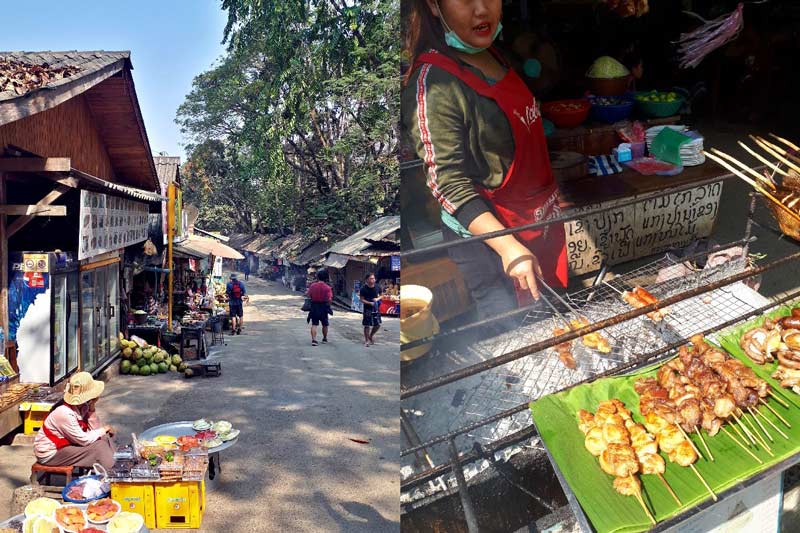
x=125 y=522
x=201 y=425
x=102 y=511
x=71 y=518
x=223 y=426
x=41 y=524
x=165 y=440
x=232 y=434
x=41 y=507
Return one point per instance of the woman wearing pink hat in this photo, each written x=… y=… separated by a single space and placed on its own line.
x=72 y=433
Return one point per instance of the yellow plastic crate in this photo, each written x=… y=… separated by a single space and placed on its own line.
x=137 y=498
x=180 y=505
x=34 y=416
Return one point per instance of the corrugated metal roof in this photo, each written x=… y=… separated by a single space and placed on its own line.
x=167 y=169
x=356 y=245
x=312 y=254
x=88 y=62
x=133 y=192
x=203 y=245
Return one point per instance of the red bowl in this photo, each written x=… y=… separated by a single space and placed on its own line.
x=566 y=113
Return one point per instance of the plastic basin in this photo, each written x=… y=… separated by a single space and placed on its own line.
x=658 y=109
x=610 y=112
x=566 y=113
x=609 y=86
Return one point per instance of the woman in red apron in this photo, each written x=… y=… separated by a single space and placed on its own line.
x=478 y=129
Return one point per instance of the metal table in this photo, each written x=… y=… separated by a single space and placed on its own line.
x=182 y=429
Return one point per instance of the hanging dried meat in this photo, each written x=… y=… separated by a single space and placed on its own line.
x=20 y=77
x=694 y=46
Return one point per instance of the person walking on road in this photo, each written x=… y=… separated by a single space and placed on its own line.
x=372 y=315
x=246 y=268
x=321 y=296
x=236 y=291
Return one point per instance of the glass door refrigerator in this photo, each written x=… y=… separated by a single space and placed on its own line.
x=44 y=316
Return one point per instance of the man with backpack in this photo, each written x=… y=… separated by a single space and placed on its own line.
x=235 y=291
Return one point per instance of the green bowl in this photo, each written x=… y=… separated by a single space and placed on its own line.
x=658 y=109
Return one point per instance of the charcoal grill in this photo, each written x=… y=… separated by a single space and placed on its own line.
x=512 y=369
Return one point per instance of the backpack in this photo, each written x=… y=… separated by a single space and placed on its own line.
x=236 y=291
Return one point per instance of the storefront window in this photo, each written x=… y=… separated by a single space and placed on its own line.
x=88 y=346
x=59 y=318
x=99 y=318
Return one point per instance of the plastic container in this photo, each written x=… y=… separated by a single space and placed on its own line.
x=638 y=149
x=137 y=498
x=658 y=109
x=180 y=505
x=416 y=319
x=610 y=113
x=566 y=113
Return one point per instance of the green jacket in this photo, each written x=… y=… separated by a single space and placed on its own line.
x=464 y=139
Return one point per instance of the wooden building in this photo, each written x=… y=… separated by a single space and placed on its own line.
x=77 y=185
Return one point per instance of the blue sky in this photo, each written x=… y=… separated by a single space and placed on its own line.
x=171 y=41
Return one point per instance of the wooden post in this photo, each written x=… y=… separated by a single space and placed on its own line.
x=170 y=238
x=3 y=266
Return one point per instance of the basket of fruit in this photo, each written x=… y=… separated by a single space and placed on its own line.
x=659 y=104
x=566 y=113
x=608 y=77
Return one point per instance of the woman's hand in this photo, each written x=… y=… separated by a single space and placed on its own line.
x=109 y=429
x=520 y=264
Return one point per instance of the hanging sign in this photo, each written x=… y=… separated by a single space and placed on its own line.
x=395 y=263
x=35 y=263
x=109 y=223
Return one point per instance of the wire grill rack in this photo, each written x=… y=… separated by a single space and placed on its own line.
x=543 y=373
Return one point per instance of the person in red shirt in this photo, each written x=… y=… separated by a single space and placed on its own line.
x=321 y=296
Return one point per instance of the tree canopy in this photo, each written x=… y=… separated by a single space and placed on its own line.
x=295 y=129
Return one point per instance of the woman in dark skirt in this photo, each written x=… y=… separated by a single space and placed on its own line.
x=321 y=297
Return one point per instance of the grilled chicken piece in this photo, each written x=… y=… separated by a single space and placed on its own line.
x=594 y=441
x=670 y=438
x=616 y=434
x=683 y=454
x=619 y=460
x=627 y=486
x=585 y=421
x=652 y=464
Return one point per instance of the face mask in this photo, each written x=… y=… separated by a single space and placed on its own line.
x=455 y=42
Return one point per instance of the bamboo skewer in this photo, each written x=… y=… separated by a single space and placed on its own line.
x=644 y=507
x=755 y=185
x=763 y=159
x=742 y=446
x=753 y=414
x=784 y=141
x=685 y=436
x=663 y=480
x=744 y=167
x=779 y=150
x=757 y=435
x=779 y=400
x=774 y=412
x=694 y=469
x=775 y=154
x=739 y=432
x=746 y=431
x=705 y=446
x=771 y=423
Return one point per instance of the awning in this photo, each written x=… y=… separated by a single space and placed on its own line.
x=195 y=244
x=336 y=260
x=103 y=185
x=185 y=250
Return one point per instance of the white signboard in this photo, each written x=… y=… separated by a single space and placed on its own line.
x=641 y=229
x=109 y=223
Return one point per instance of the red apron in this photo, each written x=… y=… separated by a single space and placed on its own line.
x=528 y=193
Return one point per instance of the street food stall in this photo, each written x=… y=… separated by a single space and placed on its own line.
x=527 y=418
x=157 y=481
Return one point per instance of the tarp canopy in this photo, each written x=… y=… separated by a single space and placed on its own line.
x=336 y=260
x=195 y=244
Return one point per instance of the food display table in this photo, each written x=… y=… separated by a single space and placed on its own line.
x=149 y=332
x=184 y=428
x=15 y=522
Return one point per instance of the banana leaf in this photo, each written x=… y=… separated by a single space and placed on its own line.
x=608 y=511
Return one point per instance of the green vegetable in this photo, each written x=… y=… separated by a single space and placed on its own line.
x=607 y=67
x=169 y=457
